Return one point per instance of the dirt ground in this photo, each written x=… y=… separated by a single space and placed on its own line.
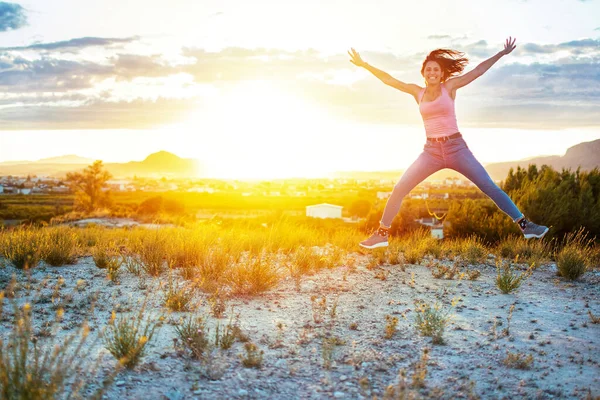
x=550 y=322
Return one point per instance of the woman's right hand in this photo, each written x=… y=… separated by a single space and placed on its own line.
x=355 y=58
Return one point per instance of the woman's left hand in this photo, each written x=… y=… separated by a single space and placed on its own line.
x=509 y=45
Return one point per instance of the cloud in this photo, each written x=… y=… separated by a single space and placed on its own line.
x=73 y=44
x=138 y=114
x=439 y=37
x=12 y=16
x=130 y=66
x=574 y=47
x=518 y=90
x=50 y=75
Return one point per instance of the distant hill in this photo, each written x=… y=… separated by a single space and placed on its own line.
x=69 y=159
x=584 y=155
x=155 y=165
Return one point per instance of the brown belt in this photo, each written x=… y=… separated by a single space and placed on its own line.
x=444 y=138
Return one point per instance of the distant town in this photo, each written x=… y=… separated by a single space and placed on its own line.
x=39 y=185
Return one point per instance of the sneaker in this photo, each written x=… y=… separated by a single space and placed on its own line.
x=378 y=239
x=531 y=230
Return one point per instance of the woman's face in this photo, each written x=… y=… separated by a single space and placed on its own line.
x=432 y=73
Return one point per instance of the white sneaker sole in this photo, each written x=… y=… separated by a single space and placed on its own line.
x=374 y=246
x=531 y=235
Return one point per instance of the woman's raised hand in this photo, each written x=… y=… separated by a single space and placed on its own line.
x=355 y=58
x=509 y=45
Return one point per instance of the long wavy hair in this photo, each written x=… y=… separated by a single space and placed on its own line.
x=451 y=62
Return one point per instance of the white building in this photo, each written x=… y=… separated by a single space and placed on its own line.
x=324 y=210
x=383 y=195
x=436 y=227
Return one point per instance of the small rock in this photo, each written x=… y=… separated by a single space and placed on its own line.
x=242 y=392
x=343 y=378
x=120 y=383
x=338 y=395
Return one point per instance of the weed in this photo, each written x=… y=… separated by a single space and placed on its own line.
x=225 y=339
x=178 y=298
x=420 y=370
x=431 y=321
x=64 y=246
x=518 y=360
x=24 y=247
x=319 y=308
x=507 y=279
x=390 y=326
x=595 y=319
x=575 y=257
x=106 y=257
x=473 y=251
x=255 y=276
x=253 y=357
x=218 y=303
x=126 y=340
x=192 y=334
x=31 y=371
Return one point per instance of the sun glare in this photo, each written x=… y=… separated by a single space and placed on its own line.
x=259 y=131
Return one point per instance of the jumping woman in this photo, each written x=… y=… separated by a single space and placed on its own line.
x=445 y=146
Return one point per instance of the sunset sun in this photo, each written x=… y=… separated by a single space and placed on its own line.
x=258 y=131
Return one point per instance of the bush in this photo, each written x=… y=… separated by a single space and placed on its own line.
x=431 y=321
x=126 y=340
x=193 y=336
x=63 y=246
x=575 y=257
x=254 y=276
x=31 y=371
x=507 y=279
x=24 y=247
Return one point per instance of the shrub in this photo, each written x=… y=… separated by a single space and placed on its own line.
x=431 y=320
x=254 y=276
x=473 y=251
x=507 y=279
x=154 y=251
x=178 y=298
x=193 y=336
x=31 y=371
x=63 y=246
x=518 y=360
x=126 y=340
x=530 y=251
x=390 y=326
x=254 y=357
x=575 y=257
x=24 y=247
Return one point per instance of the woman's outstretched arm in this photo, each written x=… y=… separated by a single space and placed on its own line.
x=384 y=76
x=463 y=80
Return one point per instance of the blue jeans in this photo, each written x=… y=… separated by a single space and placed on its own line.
x=453 y=154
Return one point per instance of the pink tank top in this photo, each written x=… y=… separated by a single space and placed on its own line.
x=439 y=116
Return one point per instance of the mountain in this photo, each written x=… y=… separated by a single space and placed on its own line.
x=69 y=159
x=583 y=155
x=155 y=165
x=158 y=164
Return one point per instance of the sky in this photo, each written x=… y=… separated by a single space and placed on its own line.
x=266 y=89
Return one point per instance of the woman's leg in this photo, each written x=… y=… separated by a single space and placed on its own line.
x=461 y=159
x=425 y=165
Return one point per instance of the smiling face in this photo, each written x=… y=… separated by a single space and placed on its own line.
x=432 y=73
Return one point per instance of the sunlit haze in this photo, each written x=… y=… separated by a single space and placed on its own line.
x=264 y=89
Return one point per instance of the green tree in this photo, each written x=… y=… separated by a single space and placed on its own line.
x=88 y=186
